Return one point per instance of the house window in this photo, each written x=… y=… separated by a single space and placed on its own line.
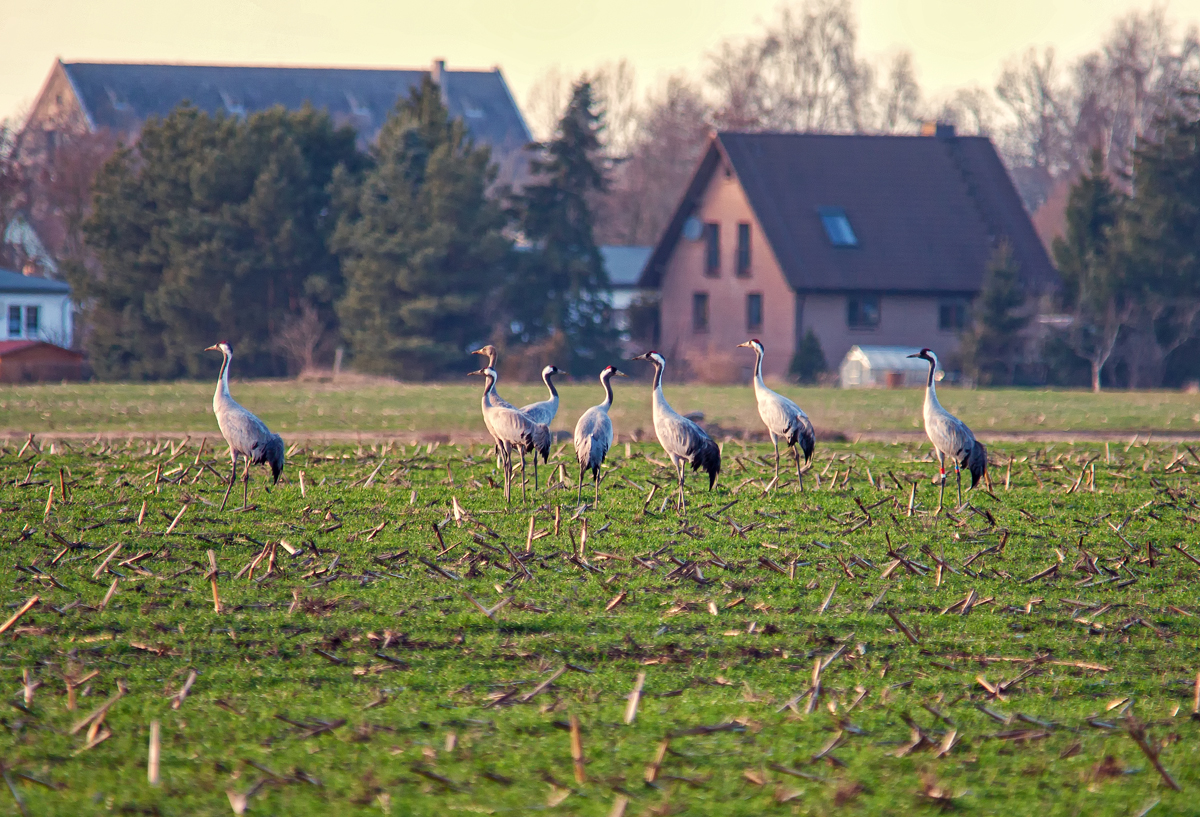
x=14 y=321
x=31 y=321
x=754 y=311
x=743 y=250
x=862 y=311
x=837 y=227
x=952 y=316
x=700 y=312
x=712 y=249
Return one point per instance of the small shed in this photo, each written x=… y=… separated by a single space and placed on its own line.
x=867 y=367
x=27 y=361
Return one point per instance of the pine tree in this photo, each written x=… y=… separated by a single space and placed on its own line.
x=991 y=347
x=809 y=359
x=1094 y=289
x=420 y=242
x=563 y=267
x=210 y=228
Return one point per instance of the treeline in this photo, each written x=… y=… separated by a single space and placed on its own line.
x=1127 y=312
x=276 y=233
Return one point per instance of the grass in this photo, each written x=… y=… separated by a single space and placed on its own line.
x=356 y=676
x=374 y=407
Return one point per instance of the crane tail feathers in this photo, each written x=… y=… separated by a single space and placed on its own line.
x=272 y=454
x=977 y=462
x=708 y=457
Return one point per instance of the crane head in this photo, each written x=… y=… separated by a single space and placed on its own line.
x=653 y=357
x=489 y=352
x=753 y=343
x=552 y=369
x=223 y=347
x=610 y=371
x=926 y=354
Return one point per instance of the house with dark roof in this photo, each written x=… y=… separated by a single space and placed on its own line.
x=91 y=96
x=35 y=309
x=864 y=240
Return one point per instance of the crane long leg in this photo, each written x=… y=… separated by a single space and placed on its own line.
x=535 y=453
x=596 y=477
x=232 y=480
x=682 y=465
x=775 y=442
x=958 y=476
x=799 y=475
x=246 y=485
x=523 y=471
x=505 y=463
x=579 y=488
x=942 y=472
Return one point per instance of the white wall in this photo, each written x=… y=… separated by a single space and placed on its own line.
x=55 y=323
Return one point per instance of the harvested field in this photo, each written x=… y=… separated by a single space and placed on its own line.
x=388 y=637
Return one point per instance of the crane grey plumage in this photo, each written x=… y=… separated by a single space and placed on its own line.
x=543 y=412
x=541 y=436
x=594 y=433
x=783 y=418
x=247 y=435
x=684 y=441
x=510 y=427
x=950 y=436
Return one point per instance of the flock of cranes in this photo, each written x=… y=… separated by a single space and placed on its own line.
x=526 y=430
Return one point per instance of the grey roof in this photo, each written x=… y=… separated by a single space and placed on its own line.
x=123 y=95
x=624 y=264
x=16 y=282
x=927 y=211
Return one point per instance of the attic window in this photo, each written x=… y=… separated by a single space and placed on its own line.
x=837 y=227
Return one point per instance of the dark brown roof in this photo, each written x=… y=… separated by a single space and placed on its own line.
x=927 y=211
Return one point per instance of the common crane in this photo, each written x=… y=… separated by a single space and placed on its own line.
x=684 y=441
x=594 y=433
x=510 y=427
x=541 y=437
x=544 y=411
x=247 y=435
x=783 y=418
x=950 y=436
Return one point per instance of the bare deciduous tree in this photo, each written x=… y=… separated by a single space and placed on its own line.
x=300 y=338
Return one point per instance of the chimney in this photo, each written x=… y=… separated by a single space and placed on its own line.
x=944 y=130
x=440 y=78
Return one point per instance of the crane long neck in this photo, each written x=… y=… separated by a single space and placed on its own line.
x=223 y=380
x=608 y=392
x=549 y=383
x=758 y=378
x=930 y=390
x=489 y=391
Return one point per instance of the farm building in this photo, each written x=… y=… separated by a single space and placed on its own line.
x=882 y=367
x=119 y=97
x=36 y=309
x=864 y=240
x=26 y=361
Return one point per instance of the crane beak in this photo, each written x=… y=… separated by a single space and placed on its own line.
x=918 y=354
x=213 y=349
x=641 y=357
x=740 y=345
x=478 y=352
x=619 y=374
x=477 y=371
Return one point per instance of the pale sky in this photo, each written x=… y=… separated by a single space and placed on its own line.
x=954 y=43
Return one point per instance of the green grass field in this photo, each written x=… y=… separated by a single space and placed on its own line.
x=383 y=407
x=820 y=653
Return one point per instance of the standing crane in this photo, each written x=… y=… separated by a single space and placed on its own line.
x=509 y=427
x=684 y=441
x=950 y=436
x=544 y=411
x=247 y=435
x=783 y=418
x=541 y=437
x=594 y=433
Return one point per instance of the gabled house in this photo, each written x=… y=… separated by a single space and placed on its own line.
x=35 y=309
x=864 y=240
x=119 y=97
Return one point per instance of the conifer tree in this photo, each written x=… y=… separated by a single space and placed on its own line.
x=420 y=243
x=991 y=347
x=561 y=284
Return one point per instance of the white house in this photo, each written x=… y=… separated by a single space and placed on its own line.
x=35 y=309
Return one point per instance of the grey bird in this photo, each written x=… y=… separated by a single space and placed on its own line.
x=684 y=441
x=247 y=435
x=541 y=436
x=783 y=418
x=544 y=411
x=950 y=436
x=511 y=429
x=594 y=433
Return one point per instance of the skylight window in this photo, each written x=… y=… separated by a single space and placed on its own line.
x=837 y=227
